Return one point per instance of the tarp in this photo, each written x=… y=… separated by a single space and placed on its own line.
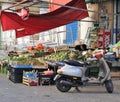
x=43 y=22
x=54 y=7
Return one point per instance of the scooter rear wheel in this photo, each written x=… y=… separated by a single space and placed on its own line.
x=62 y=87
x=109 y=86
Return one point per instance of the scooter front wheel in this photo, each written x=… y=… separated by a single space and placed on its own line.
x=109 y=86
x=62 y=87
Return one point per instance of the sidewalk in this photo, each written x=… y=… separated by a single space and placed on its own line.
x=116 y=84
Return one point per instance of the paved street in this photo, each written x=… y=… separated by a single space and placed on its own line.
x=11 y=92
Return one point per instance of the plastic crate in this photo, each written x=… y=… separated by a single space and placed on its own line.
x=110 y=56
x=15 y=78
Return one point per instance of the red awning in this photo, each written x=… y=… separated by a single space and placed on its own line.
x=43 y=22
x=54 y=7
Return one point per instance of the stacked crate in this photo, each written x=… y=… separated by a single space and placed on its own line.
x=30 y=81
x=30 y=78
x=16 y=74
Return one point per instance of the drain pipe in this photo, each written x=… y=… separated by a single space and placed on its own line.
x=115 y=23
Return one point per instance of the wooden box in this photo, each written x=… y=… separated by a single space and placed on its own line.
x=30 y=81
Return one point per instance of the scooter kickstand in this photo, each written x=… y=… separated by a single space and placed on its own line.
x=77 y=89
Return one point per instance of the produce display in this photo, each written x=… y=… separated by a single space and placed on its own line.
x=39 y=58
x=116 y=49
x=39 y=50
x=37 y=47
x=12 y=53
x=59 y=56
x=39 y=53
x=27 y=60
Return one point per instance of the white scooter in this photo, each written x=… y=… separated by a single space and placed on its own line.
x=74 y=74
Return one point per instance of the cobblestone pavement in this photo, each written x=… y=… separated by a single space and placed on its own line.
x=11 y=92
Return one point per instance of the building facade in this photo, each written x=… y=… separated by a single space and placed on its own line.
x=117 y=17
x=113 y=10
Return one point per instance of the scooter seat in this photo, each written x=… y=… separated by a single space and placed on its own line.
x=74 y=63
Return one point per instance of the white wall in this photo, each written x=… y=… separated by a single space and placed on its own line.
x=7 y=37
x=53 y=35
x=84 y=27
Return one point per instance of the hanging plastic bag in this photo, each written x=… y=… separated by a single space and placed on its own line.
x=23 y=13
